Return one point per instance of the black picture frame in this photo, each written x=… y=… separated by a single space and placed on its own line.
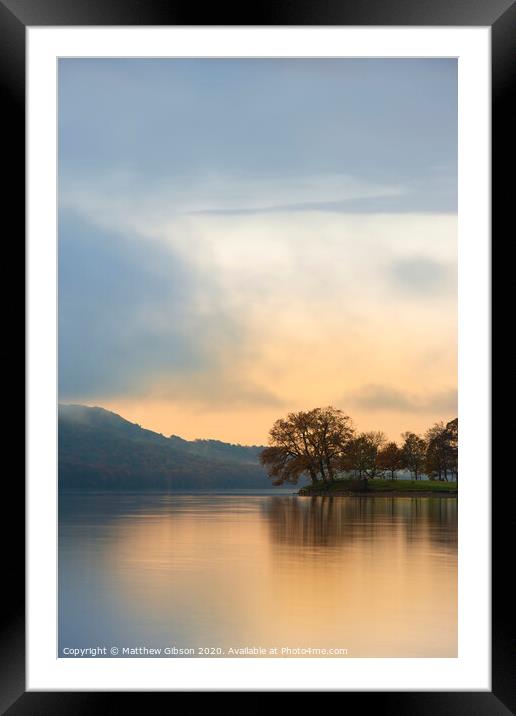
x=15 y=16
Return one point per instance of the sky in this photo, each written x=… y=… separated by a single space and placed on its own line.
x=240 y=238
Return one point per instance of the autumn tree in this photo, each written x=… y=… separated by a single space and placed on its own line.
x=361 y=455
x=308 y=442
x=290 y=452
x=389 y=459
x=437 y=454
x=413 y=454
x=331 y=436
x=441 y=451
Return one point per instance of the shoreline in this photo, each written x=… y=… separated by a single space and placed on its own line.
x=352 y=488
x=378 y=493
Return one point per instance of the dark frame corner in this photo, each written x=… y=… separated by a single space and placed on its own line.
x=500 y=15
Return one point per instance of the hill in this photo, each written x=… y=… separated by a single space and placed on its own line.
x=101 y=450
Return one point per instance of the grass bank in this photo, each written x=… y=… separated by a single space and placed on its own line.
x=381 y=487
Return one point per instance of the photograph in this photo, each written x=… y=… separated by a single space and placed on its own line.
x=257 y=357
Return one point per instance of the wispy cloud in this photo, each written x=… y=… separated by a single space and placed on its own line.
x=135 y=197
x=395 y=204
x=379 y=398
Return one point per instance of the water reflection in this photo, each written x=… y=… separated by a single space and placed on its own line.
x=332 y=521
x=374 y=575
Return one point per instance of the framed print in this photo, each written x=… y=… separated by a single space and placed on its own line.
x=258 y=357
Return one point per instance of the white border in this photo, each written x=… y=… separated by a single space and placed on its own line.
x=471 y=670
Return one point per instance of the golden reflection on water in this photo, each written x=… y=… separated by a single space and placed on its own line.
x=377 y=576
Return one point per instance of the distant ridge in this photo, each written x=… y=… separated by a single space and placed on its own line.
x=99 y=449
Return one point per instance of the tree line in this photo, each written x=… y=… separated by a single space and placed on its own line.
x=323 y=444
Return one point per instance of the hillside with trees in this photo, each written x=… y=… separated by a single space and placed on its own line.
x=100 y=450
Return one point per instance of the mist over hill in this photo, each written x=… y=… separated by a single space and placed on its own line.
x=101 y=450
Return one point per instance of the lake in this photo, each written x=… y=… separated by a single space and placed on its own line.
x=215 y=573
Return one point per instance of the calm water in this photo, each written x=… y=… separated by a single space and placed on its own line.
x=376 y=576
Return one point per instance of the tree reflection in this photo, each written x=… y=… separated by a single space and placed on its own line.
x=325 y=521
